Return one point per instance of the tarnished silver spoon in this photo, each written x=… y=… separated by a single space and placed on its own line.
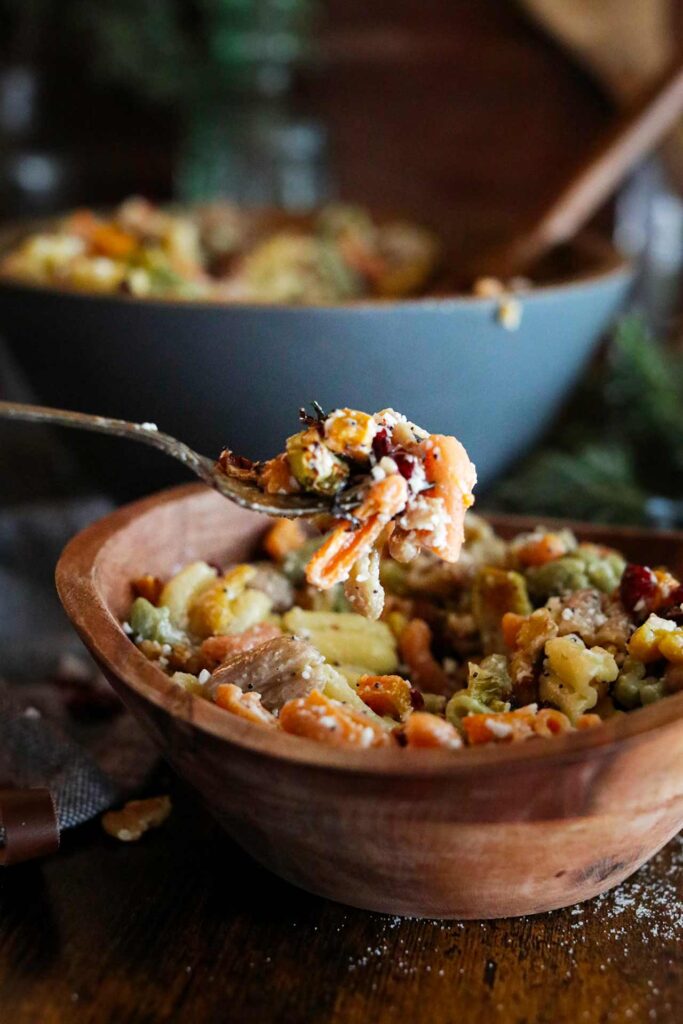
x=243 y=492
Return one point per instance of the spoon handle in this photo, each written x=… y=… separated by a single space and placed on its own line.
x=633 y=135
x=146 y=433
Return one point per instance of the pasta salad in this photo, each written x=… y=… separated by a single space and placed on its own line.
x=227 y=254
x=410 y=622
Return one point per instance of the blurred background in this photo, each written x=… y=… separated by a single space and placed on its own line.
x=457 y=112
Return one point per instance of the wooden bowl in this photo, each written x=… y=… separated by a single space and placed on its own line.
x=483 y=833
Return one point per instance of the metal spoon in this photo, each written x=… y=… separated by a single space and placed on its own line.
x=242 y=492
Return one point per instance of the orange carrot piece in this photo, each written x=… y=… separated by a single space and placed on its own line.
x=217 y=649
x=386 y=695
x=429 y=731
x=109 y=240
x=317 y=717
x=541 y=549
x=448 y=467
x=415 y=647
x=277 y=478
x=332 y=562
x=244 y=705
x=284 y=536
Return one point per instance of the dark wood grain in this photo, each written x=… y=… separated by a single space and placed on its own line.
x=183 y=927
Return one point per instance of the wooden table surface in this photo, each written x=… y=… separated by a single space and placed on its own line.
x=184 y=927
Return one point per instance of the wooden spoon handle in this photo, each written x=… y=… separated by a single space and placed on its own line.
x=633 y=135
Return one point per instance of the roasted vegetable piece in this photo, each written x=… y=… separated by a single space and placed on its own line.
x=317 y=717
x=589 y=565
x=657 y=638
x=386 y=695
x=495 y=592
x=540 y=547
x=350 y=433
x=489 y=682
x=314 y=466
x=151 y=623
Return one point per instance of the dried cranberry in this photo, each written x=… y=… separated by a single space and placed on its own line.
x=406 y=464
x=416 y=699
x=381 y=445
x=638 y=584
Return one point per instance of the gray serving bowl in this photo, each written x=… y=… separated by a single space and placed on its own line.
x=216 y=374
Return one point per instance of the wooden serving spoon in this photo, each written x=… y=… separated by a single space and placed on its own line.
x=634 y=134
x=242 y=492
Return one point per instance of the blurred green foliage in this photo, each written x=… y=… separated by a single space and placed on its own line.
x=166 y=49
x=619 y=443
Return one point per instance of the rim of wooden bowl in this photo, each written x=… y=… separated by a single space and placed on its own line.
x=77 y=575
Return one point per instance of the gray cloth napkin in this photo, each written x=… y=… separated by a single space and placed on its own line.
x=61 y=727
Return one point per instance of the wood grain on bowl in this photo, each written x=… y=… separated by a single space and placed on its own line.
x=484 y=832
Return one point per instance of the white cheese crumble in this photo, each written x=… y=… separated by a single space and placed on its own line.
x=499 y=729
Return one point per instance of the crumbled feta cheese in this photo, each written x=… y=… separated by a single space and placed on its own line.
x=203 y=676
x=498 y=728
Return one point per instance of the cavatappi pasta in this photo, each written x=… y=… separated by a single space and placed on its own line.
x=534 y=637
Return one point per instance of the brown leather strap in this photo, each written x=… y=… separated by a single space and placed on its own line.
x=30 y=822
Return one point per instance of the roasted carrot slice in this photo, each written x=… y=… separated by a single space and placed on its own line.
x=541 y=549
x=329 y=721
x=448 y=467
x=386 y=695
x=332 y=562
